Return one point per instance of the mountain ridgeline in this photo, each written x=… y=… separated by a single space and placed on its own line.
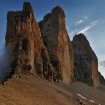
x=45 y=48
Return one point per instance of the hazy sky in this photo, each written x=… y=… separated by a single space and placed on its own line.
x=85 y=16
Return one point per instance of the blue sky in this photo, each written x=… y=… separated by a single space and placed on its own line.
x=85 y=16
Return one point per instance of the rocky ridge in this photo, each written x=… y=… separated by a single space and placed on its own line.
x=85 y=61
x=24 y=44
x=45 y=48
x=55 y=38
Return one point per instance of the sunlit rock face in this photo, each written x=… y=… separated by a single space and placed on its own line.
x=20 y=37
x=45 y=48
x=85 y=61
x=24 y=44
x=55 y=38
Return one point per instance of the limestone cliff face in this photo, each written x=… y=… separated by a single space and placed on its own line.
x=56 y=40
x=85 y=61
x=24 y=44
x=48 y=53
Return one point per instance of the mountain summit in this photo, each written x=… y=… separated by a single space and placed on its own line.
x=42 y=52
x=45 y=48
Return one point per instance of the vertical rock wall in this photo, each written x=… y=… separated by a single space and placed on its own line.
x=85 y=61
x=48 y=53
x=23 y=37
x=24 y=44
x=56 y=40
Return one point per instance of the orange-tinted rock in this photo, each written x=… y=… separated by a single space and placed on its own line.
x=49 y=52
x=23 y=38
x=24 y=44
x=85 y=61
x=56 y=40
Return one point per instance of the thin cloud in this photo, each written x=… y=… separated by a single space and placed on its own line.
x=91 y=25
x=102 y=63
x=79 y=22
x=73 y=32
x=85 y=17
x=85 y=29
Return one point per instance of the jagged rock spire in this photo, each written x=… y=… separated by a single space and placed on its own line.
x=58 y=10
x=85 y=61
x=26 y=50
x=59 y=47
x=27 y=7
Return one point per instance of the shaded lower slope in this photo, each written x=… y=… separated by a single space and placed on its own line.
x=90 y=93
x=102 y=88
x=31 y=90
